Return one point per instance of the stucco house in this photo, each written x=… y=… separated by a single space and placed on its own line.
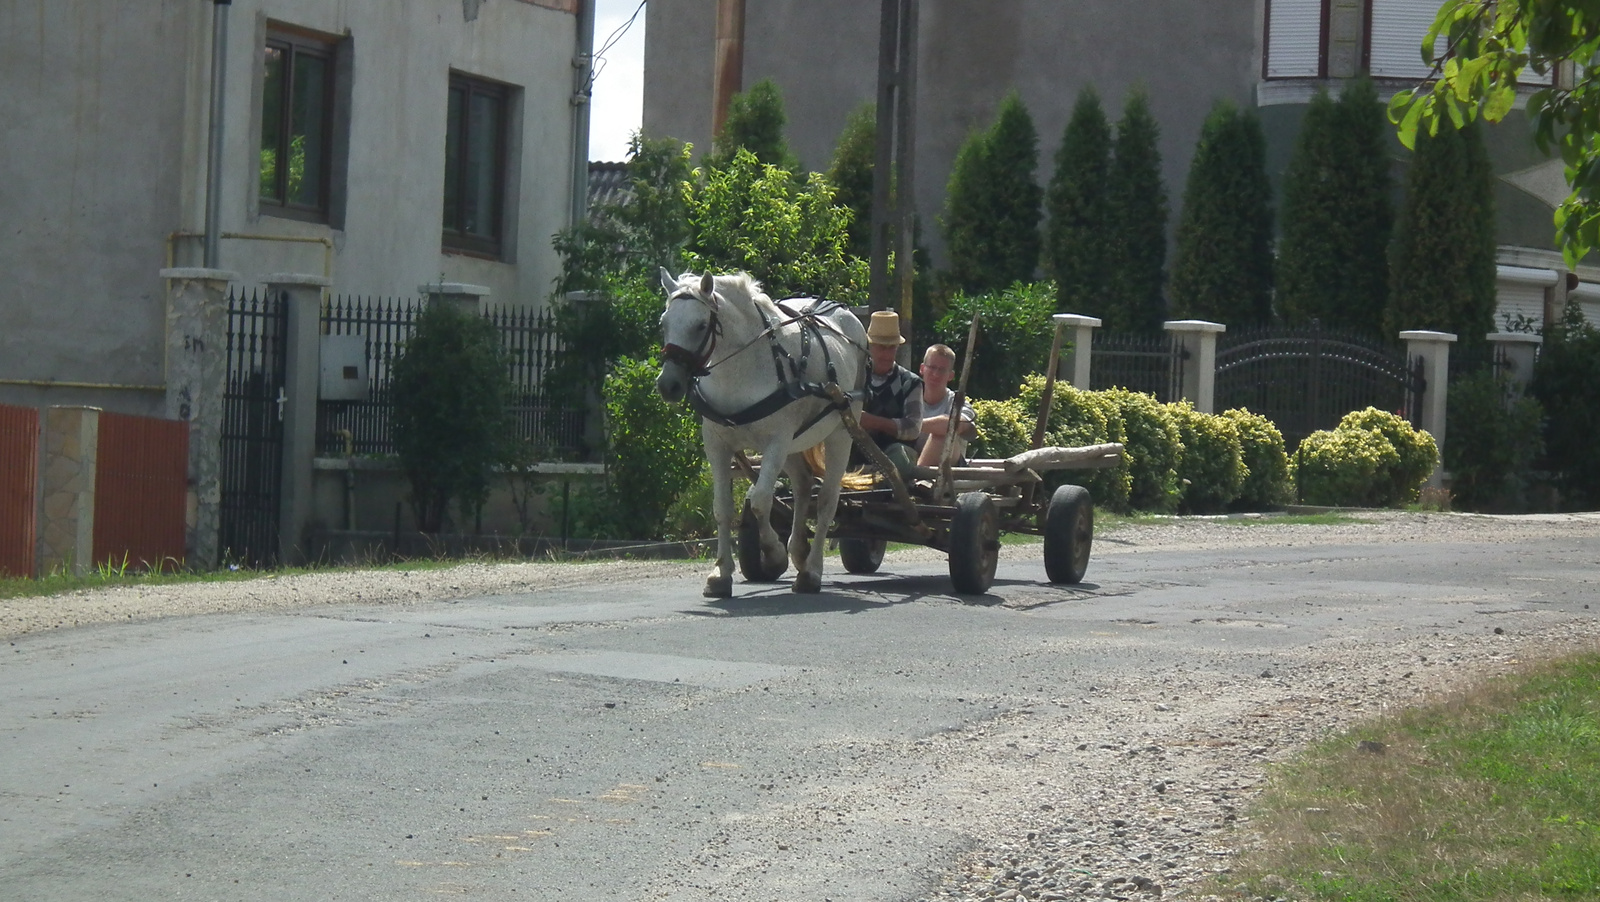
x=1273 y=54
x=380 y=144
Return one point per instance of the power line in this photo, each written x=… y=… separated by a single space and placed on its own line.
x=597 y=62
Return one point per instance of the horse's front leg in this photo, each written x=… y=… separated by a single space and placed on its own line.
x=773 y=559
x=719 y=583
x=836 y=453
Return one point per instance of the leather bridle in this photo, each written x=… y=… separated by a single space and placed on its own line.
x=696 y=362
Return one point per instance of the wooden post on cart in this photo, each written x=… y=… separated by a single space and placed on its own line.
x=942 y=489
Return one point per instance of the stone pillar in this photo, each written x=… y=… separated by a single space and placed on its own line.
x=66 y=518
x=1519 y=350
x=1076 y=367
x=197 y=372
x=464 y=296
x=1434 y=349
x=1199 y=338
x=302 y=377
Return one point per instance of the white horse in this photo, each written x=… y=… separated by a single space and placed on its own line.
x=755 y=371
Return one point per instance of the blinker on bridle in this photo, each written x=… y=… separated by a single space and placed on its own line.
x=695 y=362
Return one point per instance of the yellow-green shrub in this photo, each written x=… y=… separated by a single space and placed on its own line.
x=1261 y=445
x=1153 y=447
x=1211 y=468
x=1373 y=459
x=1081 y=418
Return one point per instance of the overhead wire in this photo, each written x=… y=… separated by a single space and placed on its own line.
x=597 y=62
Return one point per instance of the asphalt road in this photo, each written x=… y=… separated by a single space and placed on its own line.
x=630 y=741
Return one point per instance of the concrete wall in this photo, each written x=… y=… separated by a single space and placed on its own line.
x=823 y=55
x=104 y=151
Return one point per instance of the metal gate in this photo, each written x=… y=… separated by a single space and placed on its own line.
x=252 y=428
x=1152 y=364
x=1307 y=378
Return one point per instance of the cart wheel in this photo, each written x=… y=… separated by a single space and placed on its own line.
x=974 y=544
x=1068 y=533
x=751 y=567
x=862 y=555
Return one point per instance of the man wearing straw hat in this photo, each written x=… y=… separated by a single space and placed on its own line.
x=893 y=411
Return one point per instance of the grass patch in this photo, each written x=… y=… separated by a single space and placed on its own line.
x=107 y=577
x=1493 y=794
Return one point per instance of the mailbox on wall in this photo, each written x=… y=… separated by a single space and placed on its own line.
x=344 y=368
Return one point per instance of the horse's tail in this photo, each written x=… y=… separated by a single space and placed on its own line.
x=854 y=480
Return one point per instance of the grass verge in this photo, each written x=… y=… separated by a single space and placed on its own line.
x=1493 y=794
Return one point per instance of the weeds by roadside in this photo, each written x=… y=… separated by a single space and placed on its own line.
x=1493 y=794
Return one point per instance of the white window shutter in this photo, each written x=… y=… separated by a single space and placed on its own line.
x=1398 y=27
x=1294 y=38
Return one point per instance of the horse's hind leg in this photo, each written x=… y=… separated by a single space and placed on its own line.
x=836 y=449
x=802 y=480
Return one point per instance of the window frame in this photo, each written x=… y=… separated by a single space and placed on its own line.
x=454 y=239
x=292 y=44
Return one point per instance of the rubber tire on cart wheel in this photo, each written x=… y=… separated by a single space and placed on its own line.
x=862 y=555
x=1068 y=533
x=749 y=549
x=974 y=544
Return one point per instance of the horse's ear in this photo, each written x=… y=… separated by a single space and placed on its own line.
x=708 y=285
x=667 y=281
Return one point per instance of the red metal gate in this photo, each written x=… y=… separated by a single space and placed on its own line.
x=19 y=468
x=140 y=492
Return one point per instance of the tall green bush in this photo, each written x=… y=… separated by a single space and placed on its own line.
x=992 y=205
x=755 y=123
x=1211 y=469
x=851 y=174
x=451 y=425
x=1075 y=234
x=1268 y=484
x=1014 y=335
x=653 y=455
x=1443 y=265
x=1494 y=440
x=1136 y=223
x=1223 y=268
x=1337 y=214
x=1565 y=382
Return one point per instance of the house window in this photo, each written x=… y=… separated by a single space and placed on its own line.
x=297 y=100
x=475 y=166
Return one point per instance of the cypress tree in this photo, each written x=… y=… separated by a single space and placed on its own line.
x=1223 y=269
x=755 y=122
x=992 y=205
x=1137 y=220
x=1443 y=269
x=854 y=158
x=1337 y=218
x=1075 y=239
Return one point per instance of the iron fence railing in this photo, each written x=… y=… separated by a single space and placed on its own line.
x=1152 y=364
x=532 y=347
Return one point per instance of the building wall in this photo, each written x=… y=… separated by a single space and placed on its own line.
x=104 y=155
x=1187 y=55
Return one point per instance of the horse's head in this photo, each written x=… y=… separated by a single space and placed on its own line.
x=689 y=330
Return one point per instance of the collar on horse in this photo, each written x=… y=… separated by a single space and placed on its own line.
x=792 y=385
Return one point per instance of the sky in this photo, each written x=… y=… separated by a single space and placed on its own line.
x=617 y=105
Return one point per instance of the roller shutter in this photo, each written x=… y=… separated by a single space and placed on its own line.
x=1294 y=38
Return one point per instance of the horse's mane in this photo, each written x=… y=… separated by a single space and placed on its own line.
x=742 y=283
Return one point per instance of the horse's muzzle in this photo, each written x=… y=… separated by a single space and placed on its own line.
x=672 y=384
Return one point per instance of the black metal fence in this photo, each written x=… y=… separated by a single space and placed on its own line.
x=252 y=428
x=1152 y=364
x=1307 y=378
x=532 y=346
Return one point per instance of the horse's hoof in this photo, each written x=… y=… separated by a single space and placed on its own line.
x=807 y=582
x=719 y=587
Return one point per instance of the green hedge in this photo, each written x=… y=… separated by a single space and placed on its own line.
x=1153 y=446
x=1211 y=469
x=1494 y=440
x=1373 y=459
x=1269 y=484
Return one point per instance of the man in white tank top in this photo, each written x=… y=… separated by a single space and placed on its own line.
x=938 y=368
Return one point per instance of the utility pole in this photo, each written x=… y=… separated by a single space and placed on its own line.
x=728 y=78
x=894 y=164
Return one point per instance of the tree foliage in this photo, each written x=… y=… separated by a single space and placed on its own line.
x=1075 y=235
x=1137 y=222
x=992 y=205
x=450 y=388
x=1223 y=269
x=851 y=174
x=1488 y=44
x=1443 y=267
x=1014 y=335
x=755 y=123
x=1337 y=215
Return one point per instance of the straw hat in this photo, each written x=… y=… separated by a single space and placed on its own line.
x=884 y=329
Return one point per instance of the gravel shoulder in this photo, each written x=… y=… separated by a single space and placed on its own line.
x=1122 y=792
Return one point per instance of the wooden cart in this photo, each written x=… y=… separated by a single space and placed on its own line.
x=960 y=510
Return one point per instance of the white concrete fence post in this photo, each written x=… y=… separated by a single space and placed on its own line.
x=1199 y=338
x=302 y=296
x=467 y=297
x=1434 y=349
x=1075 y=367
x=197 y=373
x=1519 y=350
